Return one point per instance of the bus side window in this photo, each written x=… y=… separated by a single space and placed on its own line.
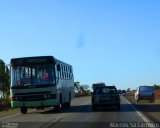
x=58 y=68
x=61 y=71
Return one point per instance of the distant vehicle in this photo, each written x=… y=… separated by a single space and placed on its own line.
x=105 y=96
x=95 y=85
x=38 y=82
x=123 y=91
x=145 y=93
x=119 y=91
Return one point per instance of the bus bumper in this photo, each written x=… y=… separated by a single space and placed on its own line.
x=32 y=104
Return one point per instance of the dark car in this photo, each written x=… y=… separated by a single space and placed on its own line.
x=123 y=91
x=105 y=96
x=119 y=91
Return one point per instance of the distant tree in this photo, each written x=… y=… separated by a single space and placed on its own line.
x=77 y=87
x=76 y=84
x=156 y=87
x=128 y=90
x=4 y=79
x=86 y=87
x=81 y=89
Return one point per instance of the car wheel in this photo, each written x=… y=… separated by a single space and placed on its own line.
x=94 y=107
x=118 y=107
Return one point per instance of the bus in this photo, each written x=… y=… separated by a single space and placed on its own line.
x=40 y=81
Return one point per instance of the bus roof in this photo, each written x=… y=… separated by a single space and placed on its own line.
x=32 y=60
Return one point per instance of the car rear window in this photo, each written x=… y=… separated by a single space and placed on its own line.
x=105 y=91
x=145 y=88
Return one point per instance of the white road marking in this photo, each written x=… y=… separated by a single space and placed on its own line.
x=144 y=118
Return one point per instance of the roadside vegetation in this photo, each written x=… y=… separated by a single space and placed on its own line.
x=81 y=90
x=4 y=80
x=4 y=85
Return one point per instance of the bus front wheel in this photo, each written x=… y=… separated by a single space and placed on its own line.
x=57 y=107
x=23 y=110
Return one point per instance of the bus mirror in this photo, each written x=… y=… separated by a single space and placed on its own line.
x=7 y=69
x=58 y=67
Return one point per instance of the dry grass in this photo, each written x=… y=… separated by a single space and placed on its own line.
x=157 y=94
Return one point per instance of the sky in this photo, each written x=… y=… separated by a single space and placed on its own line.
x=111 y=41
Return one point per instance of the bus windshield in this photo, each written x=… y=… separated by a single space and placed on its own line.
x=33 y=75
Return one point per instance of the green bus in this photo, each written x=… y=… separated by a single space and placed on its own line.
x=41 y=81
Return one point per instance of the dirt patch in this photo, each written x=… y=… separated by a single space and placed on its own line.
x=157 y=95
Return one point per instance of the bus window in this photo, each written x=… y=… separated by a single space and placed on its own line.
x=58 y=67
x=32 y=75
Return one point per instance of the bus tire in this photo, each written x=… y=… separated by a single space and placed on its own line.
x=57 y=107
x=94 y=108
x=119 y=107
x=64 y=105
x=23 y=110
x=38 y=108
x=68 y=104
x=42 y=108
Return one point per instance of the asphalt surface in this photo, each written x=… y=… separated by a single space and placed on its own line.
x=78 y=115
x=151 y=110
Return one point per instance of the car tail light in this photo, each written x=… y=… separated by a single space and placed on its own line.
x=51 y=96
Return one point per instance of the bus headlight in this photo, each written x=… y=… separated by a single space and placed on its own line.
x=51 y=96
x=14 y=98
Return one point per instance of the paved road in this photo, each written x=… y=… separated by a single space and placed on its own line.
x=152 y=110
x=79 y=115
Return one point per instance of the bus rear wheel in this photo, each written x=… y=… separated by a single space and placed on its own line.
x=23 y=110
x=68 y=104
